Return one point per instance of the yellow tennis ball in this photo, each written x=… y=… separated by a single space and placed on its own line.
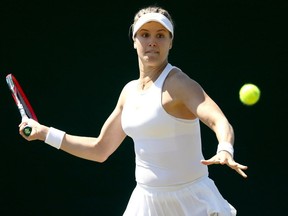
x=249 y=94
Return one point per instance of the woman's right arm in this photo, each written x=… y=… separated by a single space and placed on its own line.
x=90 y=148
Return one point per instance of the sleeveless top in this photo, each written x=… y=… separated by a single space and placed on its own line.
x=167 y=149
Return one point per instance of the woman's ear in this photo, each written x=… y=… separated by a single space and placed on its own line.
x=134 y=44
x=170 y=45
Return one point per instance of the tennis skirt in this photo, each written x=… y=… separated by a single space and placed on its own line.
x=198 y=198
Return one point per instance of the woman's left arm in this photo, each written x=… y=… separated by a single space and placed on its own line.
x=204 y=108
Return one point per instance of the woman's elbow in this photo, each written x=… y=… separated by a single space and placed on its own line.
x=101 y=159
x=100 y=155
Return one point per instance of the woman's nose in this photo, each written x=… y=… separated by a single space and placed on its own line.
x=152 y=43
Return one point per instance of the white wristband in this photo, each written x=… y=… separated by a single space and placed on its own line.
x=225 y=146
x=54 y=137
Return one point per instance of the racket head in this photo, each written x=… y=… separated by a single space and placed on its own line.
x=18 y=94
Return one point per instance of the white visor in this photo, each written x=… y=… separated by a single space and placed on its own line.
x=157 y=17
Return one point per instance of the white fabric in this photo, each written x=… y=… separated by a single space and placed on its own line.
x=225 y=146
x=157 y=17
x=168 y=149
x=171 y=181
x=199 y=198
x=54 y=137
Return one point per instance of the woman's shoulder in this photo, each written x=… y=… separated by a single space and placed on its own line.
x=180 y=80
x=129 y=87
x=130 y=84
x=178 y=75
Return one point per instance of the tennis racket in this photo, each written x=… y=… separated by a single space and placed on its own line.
x=24 y=107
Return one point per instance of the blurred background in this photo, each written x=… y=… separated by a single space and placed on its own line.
x=72 y=59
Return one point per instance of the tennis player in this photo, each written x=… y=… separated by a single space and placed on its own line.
x=161 y=111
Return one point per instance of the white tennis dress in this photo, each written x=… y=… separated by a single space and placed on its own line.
x=171 y=181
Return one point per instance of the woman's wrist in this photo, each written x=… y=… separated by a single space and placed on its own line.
x=225 y=146
x=54 y=137
x=42 y=131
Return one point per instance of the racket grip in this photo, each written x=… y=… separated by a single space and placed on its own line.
x=27 y=130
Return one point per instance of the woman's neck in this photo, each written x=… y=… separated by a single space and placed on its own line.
x=148 y=75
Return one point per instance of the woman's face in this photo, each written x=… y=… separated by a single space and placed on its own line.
x=152 y=42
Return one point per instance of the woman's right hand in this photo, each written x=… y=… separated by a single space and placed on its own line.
x=38 y=132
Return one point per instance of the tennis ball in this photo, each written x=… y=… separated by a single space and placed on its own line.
x=249 y=94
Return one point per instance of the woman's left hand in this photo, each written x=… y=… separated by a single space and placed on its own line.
x=224 y=157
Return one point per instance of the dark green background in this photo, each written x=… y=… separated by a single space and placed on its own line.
x=73 y=57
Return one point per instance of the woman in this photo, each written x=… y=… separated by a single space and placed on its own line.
x=161 y=111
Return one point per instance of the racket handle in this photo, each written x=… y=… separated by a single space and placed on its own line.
x=27 y=130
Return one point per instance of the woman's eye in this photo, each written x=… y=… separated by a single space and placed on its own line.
x=146 y=35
